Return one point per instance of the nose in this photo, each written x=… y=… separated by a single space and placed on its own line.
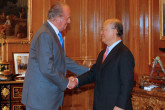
x=101 y=32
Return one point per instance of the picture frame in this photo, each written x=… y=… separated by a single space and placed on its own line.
x=16 y=20
x=162 y=19
x=20 y=63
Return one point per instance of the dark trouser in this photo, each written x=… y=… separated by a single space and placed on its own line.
x=94 y=107
x=128 y=107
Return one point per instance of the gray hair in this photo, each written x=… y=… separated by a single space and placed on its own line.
x=119 y=27
x=56 y=10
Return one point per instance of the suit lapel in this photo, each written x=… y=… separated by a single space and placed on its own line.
x=55 y=37
x=56 y=40
x=112 y=54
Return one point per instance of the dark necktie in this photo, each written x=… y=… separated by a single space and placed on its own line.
x=61 y=40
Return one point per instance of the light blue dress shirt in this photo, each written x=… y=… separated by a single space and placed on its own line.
x=112 y=46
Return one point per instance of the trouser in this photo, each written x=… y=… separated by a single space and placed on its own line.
x=94 y=107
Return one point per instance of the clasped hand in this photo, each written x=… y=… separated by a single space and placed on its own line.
x=72 y=82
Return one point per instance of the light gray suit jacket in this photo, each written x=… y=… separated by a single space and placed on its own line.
x=45 y=79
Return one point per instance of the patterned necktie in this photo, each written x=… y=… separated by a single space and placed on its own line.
x=61 y=40
x=105 y=55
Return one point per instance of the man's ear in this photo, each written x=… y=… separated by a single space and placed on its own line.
x=115 y=32
x=57 y=19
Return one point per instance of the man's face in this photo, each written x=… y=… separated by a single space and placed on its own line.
x=65 y=19
x=107 y=33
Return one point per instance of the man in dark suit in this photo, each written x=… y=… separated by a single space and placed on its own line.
x=113 y=71
x=45 y=79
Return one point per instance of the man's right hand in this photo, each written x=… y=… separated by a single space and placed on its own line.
x=72 y=82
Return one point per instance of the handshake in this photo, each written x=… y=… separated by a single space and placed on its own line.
x=72 y=82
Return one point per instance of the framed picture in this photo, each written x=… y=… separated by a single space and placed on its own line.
x=15 y=20
x=162 y=19
x=20 y=63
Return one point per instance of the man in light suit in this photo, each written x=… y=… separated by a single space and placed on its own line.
x=45 y=80
x=113 y=71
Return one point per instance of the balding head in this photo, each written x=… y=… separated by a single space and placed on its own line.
x=112 y=31
x=115 y=24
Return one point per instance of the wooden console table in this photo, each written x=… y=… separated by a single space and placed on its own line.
x=148 y=100
x=11 y=93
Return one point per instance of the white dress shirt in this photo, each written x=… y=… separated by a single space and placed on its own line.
x=54 y=28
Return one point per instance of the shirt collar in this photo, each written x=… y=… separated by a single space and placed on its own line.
x=112 y=46
x=54 y=27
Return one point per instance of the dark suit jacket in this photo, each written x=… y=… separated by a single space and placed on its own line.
x=113 y=79
x=45 y=79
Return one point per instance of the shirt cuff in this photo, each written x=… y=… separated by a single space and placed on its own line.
x=77 y=82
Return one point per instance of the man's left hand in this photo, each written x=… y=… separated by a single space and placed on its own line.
x=117 y=108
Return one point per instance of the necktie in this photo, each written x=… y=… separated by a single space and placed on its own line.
x=61 y=40
x=105 y=55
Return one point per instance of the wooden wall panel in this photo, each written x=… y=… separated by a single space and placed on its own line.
x=144 y=34
x=157 y=43
x=37 y=14
x=139 y=37
x=134 y=30
x=83 y=39
x=156 y=28
x=92 y=27
x=122 y=13
x=73 y=38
